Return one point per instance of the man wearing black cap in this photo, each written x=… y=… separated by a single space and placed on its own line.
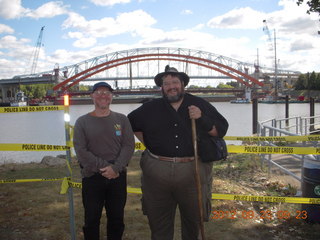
x=104 y=144
x=164 y=126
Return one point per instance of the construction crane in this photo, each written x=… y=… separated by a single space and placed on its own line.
x=36 y=52
x=273 y=47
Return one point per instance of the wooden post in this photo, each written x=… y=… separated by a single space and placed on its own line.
x=311 y=129
x=287 y=110
x=254 y=115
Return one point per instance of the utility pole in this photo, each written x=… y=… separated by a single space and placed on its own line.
x=273 y=47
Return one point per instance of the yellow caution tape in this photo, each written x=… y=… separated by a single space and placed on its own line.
x=29 y=180
x=273 y=199
x=273 y=150
x=134 y=190
x=75 y=184
x=218 y=196
x=31 y=109
x=69 y=144
x=31 y=147
x=71 y=131
x=139 y=146
x=279 y=138
x=66 y=183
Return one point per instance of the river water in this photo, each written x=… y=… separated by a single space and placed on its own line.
x=48 y=127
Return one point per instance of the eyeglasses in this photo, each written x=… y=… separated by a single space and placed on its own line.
x=99 y=92
x=174 y=82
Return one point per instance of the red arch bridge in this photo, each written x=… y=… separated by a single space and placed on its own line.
x=131 y=67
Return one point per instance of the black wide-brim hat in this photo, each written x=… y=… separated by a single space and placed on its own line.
x=171 y=70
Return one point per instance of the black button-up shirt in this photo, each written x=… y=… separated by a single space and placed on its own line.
x=167 y=132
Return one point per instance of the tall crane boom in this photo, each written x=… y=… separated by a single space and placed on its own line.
x=36 y=52
x=273 y=48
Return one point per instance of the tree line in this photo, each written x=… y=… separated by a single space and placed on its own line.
x=308 y=81
x=40 y=91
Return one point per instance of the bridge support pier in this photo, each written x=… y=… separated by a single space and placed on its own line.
x=8 y=92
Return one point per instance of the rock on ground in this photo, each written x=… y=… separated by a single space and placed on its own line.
x=53 y=161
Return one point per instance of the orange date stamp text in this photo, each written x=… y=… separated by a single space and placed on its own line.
x=263 y=214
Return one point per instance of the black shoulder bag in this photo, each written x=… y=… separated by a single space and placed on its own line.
x=212 y=148
x=209 y=148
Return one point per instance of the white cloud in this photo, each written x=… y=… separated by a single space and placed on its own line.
x=198 y=27
x=135 y=22
x=85 y=42
x=187 y=12
x=108 y=2
x=297 y=40
x=5 y=29
x=16 y=56
x=48 y=10
x=11 y=42
x=296 y=33
x=64 y=57
x=11 y=9
x=77 y=35
x=241 y=18
x=301 y=45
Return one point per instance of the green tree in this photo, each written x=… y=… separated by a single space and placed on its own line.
x=193 y=86
x=36 y=90
x=300 y=83
x=39 y=91
x=317 y=84
x=84 y=87
x=312 y=81
x=222 y=85
x=27 y=89
x=234 y=84
x=314 y=5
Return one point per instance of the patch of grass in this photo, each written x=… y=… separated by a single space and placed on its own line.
x=36 y=210
x=277 y=188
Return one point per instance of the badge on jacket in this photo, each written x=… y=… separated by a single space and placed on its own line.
x=117 y=127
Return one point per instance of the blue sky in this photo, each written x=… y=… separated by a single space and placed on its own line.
x=76 y=30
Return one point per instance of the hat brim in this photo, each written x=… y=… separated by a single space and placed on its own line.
x=158 y=78
x=102 y=84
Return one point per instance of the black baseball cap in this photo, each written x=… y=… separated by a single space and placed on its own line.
x=101 y=84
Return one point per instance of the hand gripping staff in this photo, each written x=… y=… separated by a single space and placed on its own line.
x=197 y=176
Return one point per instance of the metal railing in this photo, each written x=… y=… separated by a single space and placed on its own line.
x=310 y=125
x=290 y=126
x=293 y=126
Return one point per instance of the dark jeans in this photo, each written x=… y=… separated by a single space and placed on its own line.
x=99 y=192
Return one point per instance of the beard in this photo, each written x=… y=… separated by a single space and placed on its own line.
x=102 y=105
x=175 y=98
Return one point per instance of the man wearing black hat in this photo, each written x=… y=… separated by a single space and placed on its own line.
x=164 y=126
x=104 y=144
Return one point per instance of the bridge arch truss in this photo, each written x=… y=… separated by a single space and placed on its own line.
x=145 y=63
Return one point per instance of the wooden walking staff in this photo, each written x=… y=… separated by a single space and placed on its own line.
x=197 y=176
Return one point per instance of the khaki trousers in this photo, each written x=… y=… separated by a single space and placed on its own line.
x=168 y=185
